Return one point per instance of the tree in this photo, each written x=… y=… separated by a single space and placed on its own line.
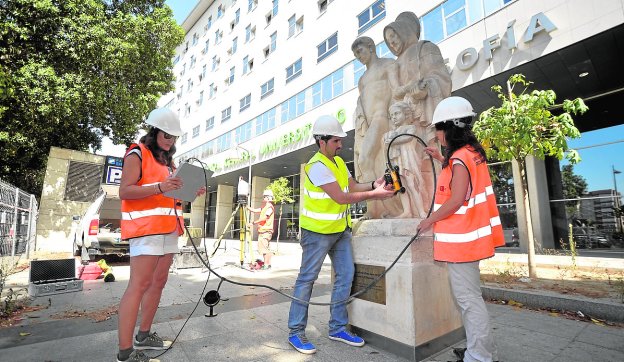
x=524 y=126
x=79 y=70
x=574 y=186
x=282 y=194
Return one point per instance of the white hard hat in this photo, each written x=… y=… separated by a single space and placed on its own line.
x=165 y=120
x=268 y=192
x=453 y=109
x=328 y=126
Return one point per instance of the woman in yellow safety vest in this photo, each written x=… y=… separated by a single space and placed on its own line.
x=152 y=223
x=465 y=220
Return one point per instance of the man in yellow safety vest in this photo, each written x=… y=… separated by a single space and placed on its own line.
x=326 y=229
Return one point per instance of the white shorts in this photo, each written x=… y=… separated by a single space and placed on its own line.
x=154 y=244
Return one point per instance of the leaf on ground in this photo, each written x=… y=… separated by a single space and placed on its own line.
x=24 y=334
x=514 y=303
x=597 y=322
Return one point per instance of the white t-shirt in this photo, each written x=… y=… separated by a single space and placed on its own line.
x=320 y=175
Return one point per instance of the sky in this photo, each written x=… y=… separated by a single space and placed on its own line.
x=596 y=162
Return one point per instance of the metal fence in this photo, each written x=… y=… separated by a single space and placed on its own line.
x=18 y=220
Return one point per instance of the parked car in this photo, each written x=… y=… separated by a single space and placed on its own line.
x=591 y=241
x=99 y=229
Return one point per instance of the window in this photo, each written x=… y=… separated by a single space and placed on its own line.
x=267 y=88
x=195 y=131
x=218 y=36
x=245 y=102
x=193 y=61
x=209 y=123
x=200 y=100
x=234 y=45
x=195 y=39
x=275 y=6
x=273 y=42
x=265 y=122
x=176 y=60
x=327 y=47
x=224 y=141
x=445 y=20
x=322 y=4
x=293 y=70
x=189 y=85
x=202 y=75
x=293 y=107
x=327 y=88
x=236 y=17
x=243 y=132
x=215 y=63
x=230 y=79
x=207 y=149
x=183 y=138
x=187 y=109
x=213 y=90
x=250 y=33
x=245 y=64
x=209 y=23
x=372 y=15
x=206 y=46
x=226 y=114
x=292 y=22
x=220 y=11
x=183 y=69
x=252 y=5
x=181 y=92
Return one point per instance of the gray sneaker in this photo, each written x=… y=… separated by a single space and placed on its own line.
x=152 y=341
x=138 y=356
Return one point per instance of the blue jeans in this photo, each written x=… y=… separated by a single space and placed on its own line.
x=315 y=247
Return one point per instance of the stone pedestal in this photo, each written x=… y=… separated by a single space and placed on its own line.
x=411 y=312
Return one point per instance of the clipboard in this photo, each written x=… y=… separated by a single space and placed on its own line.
x=193 y=178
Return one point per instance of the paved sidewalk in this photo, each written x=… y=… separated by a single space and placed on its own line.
x=251 y=323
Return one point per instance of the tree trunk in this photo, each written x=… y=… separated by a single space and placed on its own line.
x=529 y=223
x=279 y=227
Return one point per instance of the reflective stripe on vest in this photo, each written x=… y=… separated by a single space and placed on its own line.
x=319 y=212
x=477 y=199
x=152 y=215
x=474 y=230
x=160 y=211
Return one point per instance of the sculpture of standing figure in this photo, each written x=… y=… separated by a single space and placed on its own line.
x=375 y=87
x=404 y=153
x=423 y=81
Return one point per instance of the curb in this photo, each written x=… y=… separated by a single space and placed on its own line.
x=603 y=310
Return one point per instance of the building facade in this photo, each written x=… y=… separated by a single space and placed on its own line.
x=253 y=75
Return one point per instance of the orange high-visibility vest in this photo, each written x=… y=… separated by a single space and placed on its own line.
x=155 y=214
x=475 y=229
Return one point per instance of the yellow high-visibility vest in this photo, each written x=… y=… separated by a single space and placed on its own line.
x=320 y=213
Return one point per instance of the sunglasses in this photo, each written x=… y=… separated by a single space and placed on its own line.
x=168 y=136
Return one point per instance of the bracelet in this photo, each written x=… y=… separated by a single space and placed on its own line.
x=158 y=184
x=372 y=185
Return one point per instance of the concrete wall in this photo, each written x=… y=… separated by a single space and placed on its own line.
x=54 y=225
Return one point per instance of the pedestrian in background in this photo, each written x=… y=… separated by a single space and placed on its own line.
x=152 y=223
x=466 y=224
x=265 y=226
x=325 y=221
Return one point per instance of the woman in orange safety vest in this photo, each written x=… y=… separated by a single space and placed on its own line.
x=465 y=220
x=152 y=223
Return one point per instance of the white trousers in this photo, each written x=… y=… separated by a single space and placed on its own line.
x=465 y=284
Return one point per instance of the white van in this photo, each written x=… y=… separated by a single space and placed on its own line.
x=99 y=230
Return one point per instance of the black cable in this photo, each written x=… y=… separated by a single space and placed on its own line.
x=354 y=295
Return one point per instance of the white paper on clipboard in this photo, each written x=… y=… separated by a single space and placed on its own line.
x=193 y=178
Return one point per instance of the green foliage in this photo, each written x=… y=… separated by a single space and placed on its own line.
x=574 y=186
x=524 y=125
x=78 y=70
x=282 y=193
